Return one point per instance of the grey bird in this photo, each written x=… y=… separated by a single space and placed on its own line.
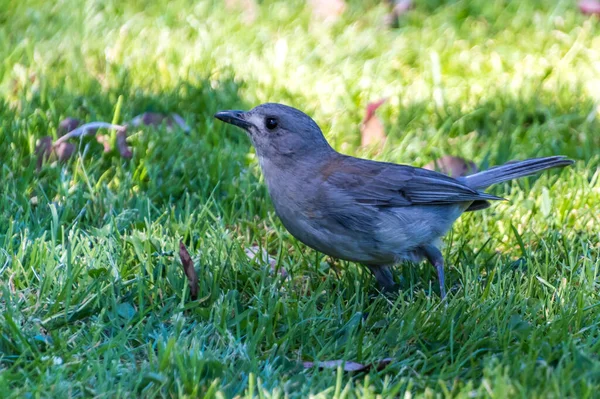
x=374 y=213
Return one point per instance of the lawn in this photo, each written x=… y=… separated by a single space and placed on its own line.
x=93 y=298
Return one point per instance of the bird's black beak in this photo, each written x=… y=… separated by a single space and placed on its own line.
x=234 y=117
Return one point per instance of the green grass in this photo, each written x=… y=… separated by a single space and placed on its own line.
x=93 y=299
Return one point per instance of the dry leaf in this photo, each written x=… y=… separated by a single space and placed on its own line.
x=71 y=128
x=328 y=10
x=64 y=151
x=122 y=144
x=349 y=366
x=67 y=125
x=589 y=7
x=249 y=8
x=43 y=149
x=88 y=129
x=372 y=130
x=452 y=166
x=156 y=119
x=188 y=269
x=149 y=119
x=254 y=252
x=92 y=128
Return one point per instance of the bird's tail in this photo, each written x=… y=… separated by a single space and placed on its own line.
x=514 y=170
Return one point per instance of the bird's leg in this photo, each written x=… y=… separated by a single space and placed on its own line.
x=384 y=277
x=435 y=257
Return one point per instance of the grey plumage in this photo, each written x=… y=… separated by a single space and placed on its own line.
x=374 y=213
x=513 y=170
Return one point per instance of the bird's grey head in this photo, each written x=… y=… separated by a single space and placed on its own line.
x=279 y=132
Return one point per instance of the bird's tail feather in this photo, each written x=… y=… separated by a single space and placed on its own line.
x=514 y=170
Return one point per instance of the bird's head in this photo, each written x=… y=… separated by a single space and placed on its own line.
x=279 y=132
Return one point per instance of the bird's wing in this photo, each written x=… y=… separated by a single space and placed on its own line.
x=390 y=185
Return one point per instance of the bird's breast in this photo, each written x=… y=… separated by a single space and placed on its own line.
x=324 y=220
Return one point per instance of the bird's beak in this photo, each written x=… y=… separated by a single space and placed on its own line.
x=234 y=117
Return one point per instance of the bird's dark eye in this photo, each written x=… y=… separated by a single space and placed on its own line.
x=271 y=123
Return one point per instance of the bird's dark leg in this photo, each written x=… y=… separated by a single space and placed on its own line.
x=384 y=278
x=434 y=256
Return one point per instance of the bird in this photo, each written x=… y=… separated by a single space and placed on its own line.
x=378 y=214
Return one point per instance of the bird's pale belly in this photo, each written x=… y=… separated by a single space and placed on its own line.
x=387 y=237
x=351 y=247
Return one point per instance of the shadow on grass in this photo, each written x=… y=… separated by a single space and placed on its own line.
x=166 y=168
x=501 y=129
x=174 y=171
x=94 y=193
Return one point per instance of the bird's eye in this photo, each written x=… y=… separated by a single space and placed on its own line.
x=271 y=123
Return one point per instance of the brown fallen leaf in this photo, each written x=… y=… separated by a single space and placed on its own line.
x=92 y=128
x=327 y=10
x=349 y=366
x=254 y=252
x=589 y=7
x=452 y=166
x=64 y=151
x=122 y=144
x=71 y=128
x=68 y=124
x=149 y=119
x=372 y=131
x=188 y=269
x=43 y=150
x=88 y=129
x=156 y=119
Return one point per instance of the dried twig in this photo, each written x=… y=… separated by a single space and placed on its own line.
x=188 y=268
x=156 y=119
x=88 y=129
